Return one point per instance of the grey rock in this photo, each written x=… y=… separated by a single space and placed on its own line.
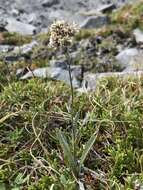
x=3 y=23
x=106 y=8
x=95 y=22
x=53 y=73
x=21 y=72
x=45 y=72
x=22 y=28
x=58 y=63
x=26 y=48
x=15 y=12
x=64 y=76
x=136 y=64
x=49 y=3
x=76 y=69
x=91 y=80
x=31 y=18
x=62 y=63
x=59 y=15
x=126 y=56
x=17 y=53
x=11 y=58
x=6 y=48
x=138 y=35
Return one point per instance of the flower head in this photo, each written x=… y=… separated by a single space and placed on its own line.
x=61 y=33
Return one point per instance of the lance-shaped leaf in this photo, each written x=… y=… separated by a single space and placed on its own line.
x=67 y=151
x=88 y=147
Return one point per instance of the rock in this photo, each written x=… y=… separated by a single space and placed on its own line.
x=5 y=48
x=138 y=35
x=126 y=56
x=58 y=63
x=71 y=9
x=15 y=12
x=26 y=48
x=136 y=64
x=45 y=72
x=95 y=22
x=11 y=58
x=3 y=23
x=17 y=53
x=106 y=8
x=21 y=72
x=91 y=80
x=61 y=62
x=31 y=18
x=76 y=69
x=49 y=3
x=16 y=26
x=64 y=76
x=52 y=73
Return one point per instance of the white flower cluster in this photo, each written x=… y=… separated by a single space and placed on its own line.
x=61 y=33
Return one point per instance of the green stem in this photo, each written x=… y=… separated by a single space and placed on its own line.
x=72 y=103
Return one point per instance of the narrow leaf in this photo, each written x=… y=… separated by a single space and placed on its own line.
x=2 y=186
x=67 y=152
x=88 y=147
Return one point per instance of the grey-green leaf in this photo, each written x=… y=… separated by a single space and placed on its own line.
x=66 y=149
x=2 y=186
x=88 y=147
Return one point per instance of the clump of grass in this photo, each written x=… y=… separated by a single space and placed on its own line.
x=130 y=16
x=15 y=39
x=43 y=37
x=84 y=34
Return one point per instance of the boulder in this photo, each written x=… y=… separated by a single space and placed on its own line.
x=138 y=35
x=125 y=57
x=52 y=73
x=49 y=3
x=26 y=48
x=58 y=63
x=3 y=23
x=5 y=48
x=95 y=22
x=136 y=64
x=22 y=28
x=11 y=58
x=106 y=8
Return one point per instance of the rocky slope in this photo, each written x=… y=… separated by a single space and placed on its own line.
x=109 y=42
x=41 y=13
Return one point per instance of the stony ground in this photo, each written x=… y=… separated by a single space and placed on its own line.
x=41 y=13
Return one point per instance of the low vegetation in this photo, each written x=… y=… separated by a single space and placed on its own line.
x=32 y=112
